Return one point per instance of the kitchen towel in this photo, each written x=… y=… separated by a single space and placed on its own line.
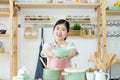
x=40 y=67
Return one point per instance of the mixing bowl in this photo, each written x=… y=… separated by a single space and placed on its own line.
x=60 y=52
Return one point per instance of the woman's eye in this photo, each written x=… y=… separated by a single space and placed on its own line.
x=63 y=29
x=57 y=28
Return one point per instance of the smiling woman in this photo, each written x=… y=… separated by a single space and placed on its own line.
x=60 y=30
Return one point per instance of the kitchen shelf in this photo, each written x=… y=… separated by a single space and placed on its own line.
x=118 y=61
x=30 y=37
x=84 y=21
x=88 y=36
x=4 y=54
x=4 y=1
x=78 y=19
x=74 y=33
x=4 y=35
x=32 y=21
x=57 y=5
x=111 y=12
x=4 y=12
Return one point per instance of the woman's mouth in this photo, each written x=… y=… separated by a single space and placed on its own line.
x=59 y=35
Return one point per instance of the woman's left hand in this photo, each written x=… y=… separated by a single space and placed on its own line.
x=71 y=54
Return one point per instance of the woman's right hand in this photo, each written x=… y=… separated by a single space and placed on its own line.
x=48 y=52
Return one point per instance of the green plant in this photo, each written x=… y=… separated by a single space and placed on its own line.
x=77 y=26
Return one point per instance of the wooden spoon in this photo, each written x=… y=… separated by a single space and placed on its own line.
x=43 y=63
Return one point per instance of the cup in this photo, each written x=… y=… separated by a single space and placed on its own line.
x=90 y=75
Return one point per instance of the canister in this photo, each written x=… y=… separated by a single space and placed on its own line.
x=74 y=74
x=50 y=74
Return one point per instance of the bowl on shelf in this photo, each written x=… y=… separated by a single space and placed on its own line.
x=60 y=52
x=2 y=31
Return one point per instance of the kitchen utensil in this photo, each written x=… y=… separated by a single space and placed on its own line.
x=43 y=63
x=47 y=73
x=60 y=52
x=51 y=74
x=74 y=74
x=101 y=75
x=112 y=58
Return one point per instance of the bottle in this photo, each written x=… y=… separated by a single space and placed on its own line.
x=23 y=73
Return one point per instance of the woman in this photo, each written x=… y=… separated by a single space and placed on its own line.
x=60 y=30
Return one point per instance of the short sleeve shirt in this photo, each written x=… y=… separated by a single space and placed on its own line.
x=51 y=45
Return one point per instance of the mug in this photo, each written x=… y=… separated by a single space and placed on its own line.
x=90 y=75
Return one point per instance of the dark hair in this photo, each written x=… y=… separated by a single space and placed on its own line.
x=62 y=21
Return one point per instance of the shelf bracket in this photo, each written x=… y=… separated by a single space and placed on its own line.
x=19 y=26
x=97 y=7
x=19 y=9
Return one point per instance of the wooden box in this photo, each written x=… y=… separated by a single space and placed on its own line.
x=74 y=33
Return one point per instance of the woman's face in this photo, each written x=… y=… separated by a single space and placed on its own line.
x=60 y=32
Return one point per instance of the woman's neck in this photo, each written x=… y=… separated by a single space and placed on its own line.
x=59 y=42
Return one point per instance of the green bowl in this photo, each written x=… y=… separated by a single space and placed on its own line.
x=60 y=52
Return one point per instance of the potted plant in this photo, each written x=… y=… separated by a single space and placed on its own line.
x=77 y=26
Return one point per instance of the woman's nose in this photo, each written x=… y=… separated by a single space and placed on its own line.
x=59 y=31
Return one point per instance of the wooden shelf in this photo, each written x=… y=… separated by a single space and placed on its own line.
x=56 y=5
x=4 y=54
x=31 y=37
x=109 y=12
x=118 y=61
x=85 y=21
x=4 y=35
x=4 y=12
x=89 y=36
x=30 y=33
x=32 y=21
x=4 y=1
x=74 y=33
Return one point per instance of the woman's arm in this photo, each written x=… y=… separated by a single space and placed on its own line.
x=48 y=52
x=71 y=54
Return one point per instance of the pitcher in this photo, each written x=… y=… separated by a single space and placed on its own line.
x=101 y=75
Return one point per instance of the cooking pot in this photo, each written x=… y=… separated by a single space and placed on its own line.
x=50 y=74
x=74 y=74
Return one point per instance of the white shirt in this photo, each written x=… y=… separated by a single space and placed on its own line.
x=51 y=45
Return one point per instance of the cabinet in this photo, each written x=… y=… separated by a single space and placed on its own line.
x=11 y=36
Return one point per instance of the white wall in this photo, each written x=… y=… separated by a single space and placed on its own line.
x=28 y=48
